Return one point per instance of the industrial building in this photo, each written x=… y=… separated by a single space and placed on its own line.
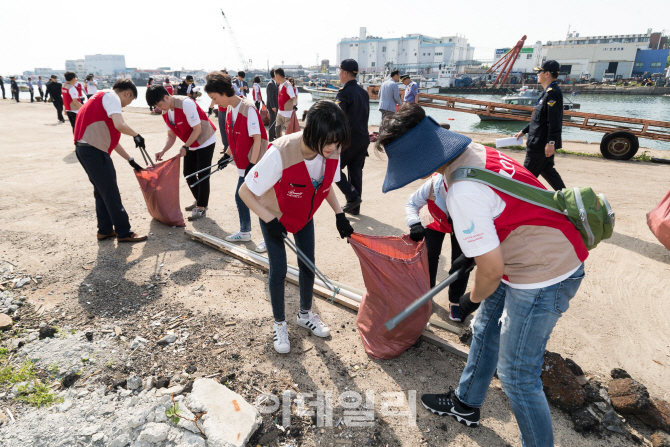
x=78 y=66
x=415 y=53
x=105 y=64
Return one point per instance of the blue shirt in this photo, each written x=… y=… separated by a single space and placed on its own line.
x=30 y=86
x=389 y=95
x=411 y=91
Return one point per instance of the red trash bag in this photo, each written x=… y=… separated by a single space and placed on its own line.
x=160 y=187
x=265 y=115
x=293 y=125
x=395 y=271
x=658 y=220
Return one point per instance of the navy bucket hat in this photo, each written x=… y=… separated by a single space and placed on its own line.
x=420 y=152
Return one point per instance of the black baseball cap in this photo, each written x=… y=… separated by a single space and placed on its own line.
x=550 y=66
x=189 y=78
x=349 y=65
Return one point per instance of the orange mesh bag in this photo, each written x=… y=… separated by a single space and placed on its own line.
x=265 y=115
x=395 y=271
x=293 y=125
x=160 y=187
x=658 y=220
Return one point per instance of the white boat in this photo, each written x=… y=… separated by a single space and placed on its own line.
x=446 y=77
x=319 y=93
x=525 y=97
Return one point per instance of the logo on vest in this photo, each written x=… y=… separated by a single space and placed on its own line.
x=507 y=164
x=180 y=122
x=294 y=194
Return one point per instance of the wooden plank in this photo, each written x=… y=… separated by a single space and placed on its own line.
x=323 y=292
x=446 y=326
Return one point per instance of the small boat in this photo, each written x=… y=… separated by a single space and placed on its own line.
x=525 y=97
x=319 y=93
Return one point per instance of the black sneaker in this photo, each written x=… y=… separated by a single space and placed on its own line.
x=448 y=404
x=352 y=207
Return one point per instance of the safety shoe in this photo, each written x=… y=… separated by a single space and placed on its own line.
x=448 y=404
x=314 y=323
x=239 y=236
x=102 y=237
x=191 y=206
x=352 y=207
x=261 y=247
x=134 y=237
x=455 y=313
x=197 y=213
x=280 y=337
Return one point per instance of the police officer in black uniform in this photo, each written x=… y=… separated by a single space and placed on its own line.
x=545 y=127
x=355 y=103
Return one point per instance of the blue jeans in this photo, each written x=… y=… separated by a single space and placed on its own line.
x=242 y=209
x=510 y=333
x=304 y=239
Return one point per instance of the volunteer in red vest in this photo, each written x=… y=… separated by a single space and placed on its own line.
x=256 y=92
x=80 y=91
x=287 y=100
x=284 y=190
x=97 y=133
x=71 y=97
x=427 y=218
x=248 y=142
x=186 y=120
x=168 y=86
x=530 y=264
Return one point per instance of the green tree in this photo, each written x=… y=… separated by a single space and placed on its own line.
x=667 y=64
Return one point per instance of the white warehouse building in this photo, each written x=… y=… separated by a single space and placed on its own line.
x=414 y=53
x=105 y=64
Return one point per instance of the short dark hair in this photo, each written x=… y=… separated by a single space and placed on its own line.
x=241 y=74
x=69 y=75
x=150 y=80
x=125 y=84
x=54 y=76
x=39 y=77
x=326 y=124
x=292 y=81
x=554 y=74
x=398 y=124
x=217 y=82
x=155 y=94
x=224 y=71
x=257 y=79
x=395 y=72
x=272 y=73
x=280 y=72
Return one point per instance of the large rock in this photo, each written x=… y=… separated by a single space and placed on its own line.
x=153 y=433
x=133 y=382
x=629 y=396
x=5 y=322
x=584 y=419
x=560 y=384
x=660 y=439
x=658 y=415
x=618 y=373
x=230 y=420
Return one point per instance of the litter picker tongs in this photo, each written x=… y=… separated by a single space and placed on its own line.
x=409 y=310
x=218 y=166
x=146 y=156
x=311 y=266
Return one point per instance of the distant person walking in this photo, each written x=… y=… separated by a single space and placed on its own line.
x=14 y=87
x=150 y=82
x=31 y=90
x=70 y=97
x=91 y=85
x=256 y=92
x=295 y=90
x=39 y=87
x=80 y=91
x=389 y=95
x=242 y=85
x=2 y=86
x=286 y=101
x=168 y=86
x=355 y=103
x=545 y=127
x=411 y=89
x=272 y=98
x=53 y=88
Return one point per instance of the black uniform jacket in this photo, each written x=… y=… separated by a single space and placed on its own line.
x=547 y=121
x=355 y=102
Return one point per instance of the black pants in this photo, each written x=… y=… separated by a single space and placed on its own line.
x=3 y=90
x=193 y=162
x=41 y=93
x=258 y=105
x=99 y=167
x=538 y=164
x=222 y=127
x=32 y=95
x=15 y=95
x=273 y=120
x=58 y=104
x=73 y=118
x=353 y=159
x=434 y=240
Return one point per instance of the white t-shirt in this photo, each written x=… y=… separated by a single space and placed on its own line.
x=111 y=103
x=473 y=207
x=269 y=171
x=74 y=94
x=291 y=93
x=257 y=91
x=191 y=111
x=253 y=126
x=92 y=87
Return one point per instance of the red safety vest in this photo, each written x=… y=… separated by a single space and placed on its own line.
x=260 y=96
x=440 y=220
x=67 y=98
x=183 y=129
x=95 y=127
x=169 y=89
x=238 y=135
x=284 y=97
x=78 y=87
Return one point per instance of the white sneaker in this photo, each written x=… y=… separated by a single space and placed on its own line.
x=280 y=336
x=239 y=236
x=261 y=248
x=314 y=323
x=197 y=213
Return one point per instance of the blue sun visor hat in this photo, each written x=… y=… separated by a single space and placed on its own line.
x=420 y=152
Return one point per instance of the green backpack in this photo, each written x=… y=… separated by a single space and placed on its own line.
x=590 y=213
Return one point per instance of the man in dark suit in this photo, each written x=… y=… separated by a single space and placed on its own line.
x=14 y=87
x=242 y=85
x=54 y=89
x=2 y=86
x=272 y=98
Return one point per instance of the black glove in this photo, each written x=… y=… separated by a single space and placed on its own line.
x=417 y=232
x=466 y=306
x=276 y=229
x=343 y=226
x=295 y=108
x=209 y=112
x=246 y=171
x=139 y=141
x=134 y=164
x=460 y=262
x=223 y=161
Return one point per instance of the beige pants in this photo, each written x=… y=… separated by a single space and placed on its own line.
x=281 y=124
